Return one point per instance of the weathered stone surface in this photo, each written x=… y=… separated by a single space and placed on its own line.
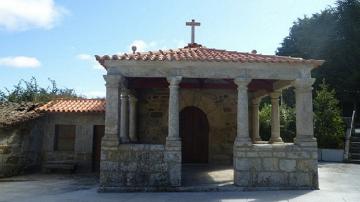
x=270 y=164
x=287 y=165
x=134 y=165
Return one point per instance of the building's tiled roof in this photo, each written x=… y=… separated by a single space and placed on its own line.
x=16 y=113
x=196 y=52
x=74 y=105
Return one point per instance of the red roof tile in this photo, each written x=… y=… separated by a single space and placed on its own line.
x=74 y=105
x=196 y=52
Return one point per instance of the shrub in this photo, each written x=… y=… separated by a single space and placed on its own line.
x=329 y=125
x=287 y=122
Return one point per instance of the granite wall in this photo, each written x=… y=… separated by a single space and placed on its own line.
x=218 y=104
x=20 y=148
x=273 y=166
x=83 y=149
x=132 y=166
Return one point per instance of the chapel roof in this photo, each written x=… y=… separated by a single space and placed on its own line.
x=12 y=113
x=74 y=105
x=197 y=52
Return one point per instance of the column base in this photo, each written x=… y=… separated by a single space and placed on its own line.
x=110 y=140
x=243 y=141
x=306 y=141
x=277 y=140
x=124 y=140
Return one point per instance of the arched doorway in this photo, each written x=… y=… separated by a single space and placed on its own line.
x=194 y=131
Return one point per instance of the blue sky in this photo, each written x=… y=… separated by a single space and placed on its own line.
x=57 y=39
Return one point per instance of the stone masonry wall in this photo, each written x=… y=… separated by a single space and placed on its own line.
x=285 y=166
x=133 y=165
x=82 y=153
x=218 y=104
x=20 y=148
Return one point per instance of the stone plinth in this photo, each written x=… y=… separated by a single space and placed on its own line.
x=134 y=166
x=283 y=166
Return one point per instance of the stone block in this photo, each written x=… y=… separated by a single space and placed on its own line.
x=270 y=164
x=298 y=155
x=252 y=154
x=268 y=179
x=300 y=179
x=279 y=154
x=307 y=165
x=287 y=165
x=242 y=178
x=246 y=164
x=265 y=154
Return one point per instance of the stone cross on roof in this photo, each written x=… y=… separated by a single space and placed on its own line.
x=192 y=24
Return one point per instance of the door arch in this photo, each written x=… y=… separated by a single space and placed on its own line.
x=194 y=131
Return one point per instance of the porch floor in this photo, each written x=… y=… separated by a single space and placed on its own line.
x=207 y=174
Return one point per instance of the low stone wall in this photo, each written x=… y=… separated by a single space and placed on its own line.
x=133 y=165
x=283 y=166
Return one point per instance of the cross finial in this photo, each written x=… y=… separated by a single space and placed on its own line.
x=192 y=24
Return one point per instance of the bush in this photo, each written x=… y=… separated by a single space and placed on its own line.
x=29 y=91
x=287 y=122
x=329 y=125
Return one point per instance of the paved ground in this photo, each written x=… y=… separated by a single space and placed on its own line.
x=338 y=182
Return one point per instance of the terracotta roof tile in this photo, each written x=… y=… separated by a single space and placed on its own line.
x=196 y=52
x=74 y=105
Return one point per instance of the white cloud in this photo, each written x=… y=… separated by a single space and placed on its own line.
x=142 y=46
x=91 y=60
x=20 y=62
x=19 y=15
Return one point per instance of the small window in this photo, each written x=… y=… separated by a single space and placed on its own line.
x=64 y=137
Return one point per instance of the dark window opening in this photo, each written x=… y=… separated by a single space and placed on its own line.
x=64 y=137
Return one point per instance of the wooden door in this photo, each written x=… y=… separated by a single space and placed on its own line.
x=99 y=131
x=194 y=131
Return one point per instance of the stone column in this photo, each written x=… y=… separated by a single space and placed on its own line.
x=174 y=108
x=275 y=118
x=255 y=119
x=304 y=112
x=112 y=114
x=242 y=136
x=124 y=132
x=173 y=141
x=132 y=118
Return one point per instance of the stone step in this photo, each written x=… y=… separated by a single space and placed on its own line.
x=355 y=156
x=354 y=161
x=355 y=138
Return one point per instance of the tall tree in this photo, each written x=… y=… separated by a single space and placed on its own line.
x=332 y=35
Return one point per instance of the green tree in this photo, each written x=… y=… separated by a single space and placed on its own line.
x=332 y=35
x=287 y=122
x=329 y=125
x=30 y=91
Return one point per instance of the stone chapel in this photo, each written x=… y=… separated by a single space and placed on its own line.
x=168 y=108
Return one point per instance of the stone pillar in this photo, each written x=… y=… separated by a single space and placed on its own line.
x=255 y=119
x=242 y=136
x=173 y=141
x=174 y=108
x=275 y=118
x=132 y=118
x=304 y=112
x=124 y=127
x=112 y=114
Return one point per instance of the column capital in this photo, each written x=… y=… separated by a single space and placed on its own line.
x=303 y=84
x=255 y=101
x=132 y=98
x=174 y=80
x=114 y=80
x=275 y=94
x=242 y=82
